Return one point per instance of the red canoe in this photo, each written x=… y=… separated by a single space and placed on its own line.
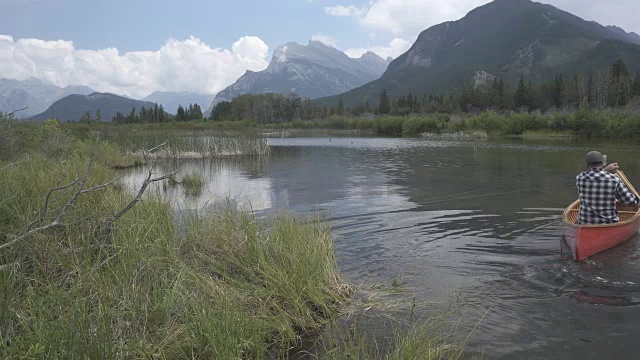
x=588 y=240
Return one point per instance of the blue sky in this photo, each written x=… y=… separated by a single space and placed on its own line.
x=134 y=47
x=145 y=25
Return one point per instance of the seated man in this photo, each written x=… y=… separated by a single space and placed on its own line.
x=599 y=190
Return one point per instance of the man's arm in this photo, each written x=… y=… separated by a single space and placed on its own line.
x=626 y=196
x=612 y=168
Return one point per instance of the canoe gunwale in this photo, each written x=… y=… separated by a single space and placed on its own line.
x=576 y=207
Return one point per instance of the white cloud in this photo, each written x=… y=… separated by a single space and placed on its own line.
x=410 y=17
x=325 y=39
x=395 y=48
x=188 y=65
x=622 y=13
x=341 y=10
x=401 y=20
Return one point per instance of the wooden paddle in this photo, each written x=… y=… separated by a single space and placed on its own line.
x=626 y=181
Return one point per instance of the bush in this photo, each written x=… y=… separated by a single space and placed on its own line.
x=388 y=125
x=416 y=126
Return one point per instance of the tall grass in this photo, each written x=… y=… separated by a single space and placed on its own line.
x=231 y=287
x=186 y=140
x=221 y=286
x=225 y=286
x=424 y=341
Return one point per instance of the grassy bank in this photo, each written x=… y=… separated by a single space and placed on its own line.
x=221 y=286
x=584 y=122
x=226 y=286
x=194 y=139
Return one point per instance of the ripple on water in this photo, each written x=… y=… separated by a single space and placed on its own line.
x=478 y=222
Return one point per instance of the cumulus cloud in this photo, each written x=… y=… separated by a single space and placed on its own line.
x=340 y=10
x=325 y=39
x=622 y=13
x=395 y=48
x=409 y=17
x=188 y=65
x=400 y=20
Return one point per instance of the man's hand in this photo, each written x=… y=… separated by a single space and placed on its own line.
x=612 y=167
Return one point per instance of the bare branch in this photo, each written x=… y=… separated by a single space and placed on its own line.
x=60 y=217
x=12 y=113
x=27 y=234
x=81 y=183
x=13 y=164
x=155 y=148
x=100 y=187
x=46 y=201
x=138 y=197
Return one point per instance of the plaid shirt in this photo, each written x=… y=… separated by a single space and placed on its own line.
x=599 y=190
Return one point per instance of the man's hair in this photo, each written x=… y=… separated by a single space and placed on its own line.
x=595 y=164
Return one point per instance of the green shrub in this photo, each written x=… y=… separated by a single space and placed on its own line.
x=418 y=125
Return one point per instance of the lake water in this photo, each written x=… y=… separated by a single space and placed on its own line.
x=475 y=221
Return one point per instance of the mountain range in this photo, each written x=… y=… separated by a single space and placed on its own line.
x=505 y=38
x=33 y=94
x=313 y=70
x=171 y=100
x=74 y=107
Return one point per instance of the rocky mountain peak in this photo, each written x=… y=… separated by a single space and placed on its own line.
x=311 y=70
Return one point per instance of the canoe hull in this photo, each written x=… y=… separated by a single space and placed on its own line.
x=587 y=241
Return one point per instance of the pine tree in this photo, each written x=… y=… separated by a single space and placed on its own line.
x=590 y=90
x=501 y=95
x=520 y=96
x=619 y=84
x=559 y=92
x=132 y=118
x=384 y=107
x=161 y=114
x=636 y=85
x=340 y=108
x=180 y=114
x=531 y=97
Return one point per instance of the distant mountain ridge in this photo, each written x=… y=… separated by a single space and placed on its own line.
x=33 y=94
x=630 y=36
x=506 y=39
x=171 y=100
x=73 y=107
x=312 y=71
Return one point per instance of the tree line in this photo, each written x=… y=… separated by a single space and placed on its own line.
x=269 y=108
x=611 y=88
x=157 y=114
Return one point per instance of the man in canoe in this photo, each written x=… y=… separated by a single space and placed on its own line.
x=599 y=190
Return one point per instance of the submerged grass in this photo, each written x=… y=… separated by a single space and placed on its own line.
x=193 y=183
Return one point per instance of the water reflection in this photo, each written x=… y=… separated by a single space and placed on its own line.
x=225 y=182
x=479 y=221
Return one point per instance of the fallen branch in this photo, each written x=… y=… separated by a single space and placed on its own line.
x=108 y=226
x=63 y=212
x=12 y=113
x=13 y=164
x=59 y=218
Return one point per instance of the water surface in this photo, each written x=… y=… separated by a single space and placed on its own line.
x=478 y=221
